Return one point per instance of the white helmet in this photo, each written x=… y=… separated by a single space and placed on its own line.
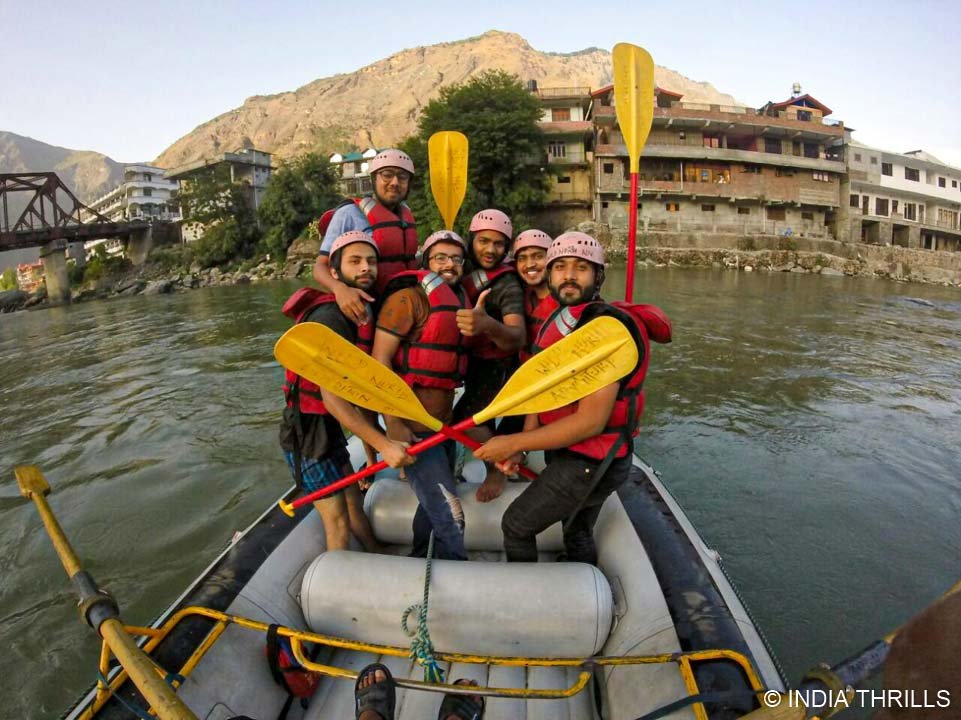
x=391 y=157
x=576 y=244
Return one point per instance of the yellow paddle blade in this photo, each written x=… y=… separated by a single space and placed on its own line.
x=447 y=154
x=591 y=357
x=633 y=97
x=317 y=353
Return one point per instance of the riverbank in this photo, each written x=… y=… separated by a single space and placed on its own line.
x=755 y=253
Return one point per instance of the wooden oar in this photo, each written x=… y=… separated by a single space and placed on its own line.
x=447 y=154
x=634 y=106
x=824 y=686
x=593 y=356
x=100 y=610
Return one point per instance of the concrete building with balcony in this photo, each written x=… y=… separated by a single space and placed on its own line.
x=908 y=199
x=570 y=136
x=353 y=170
x=247 y=167
x=145 y=194
x=30 y=276
x=723 y=169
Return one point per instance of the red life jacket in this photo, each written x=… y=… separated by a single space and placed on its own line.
x=474 y=284
x=396 y=238
x=298 y=306
x=536 y=312
x=646 y=322
x=437 y=358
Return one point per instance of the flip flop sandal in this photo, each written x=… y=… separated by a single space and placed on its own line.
x=379 y=697
x=463 y=707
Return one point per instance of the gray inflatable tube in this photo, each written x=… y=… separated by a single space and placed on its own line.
x=548 y=610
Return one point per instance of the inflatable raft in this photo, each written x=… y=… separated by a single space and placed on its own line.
x=655 y=626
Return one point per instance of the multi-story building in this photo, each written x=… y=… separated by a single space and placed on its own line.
x=569 y=154
x=248 y=167
x=353 y=170
x=715 y=168
x=144 y=194
x=910 y=199
x=30 y=276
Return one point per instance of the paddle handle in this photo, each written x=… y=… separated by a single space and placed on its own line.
x=424 y=444
x=631 y=241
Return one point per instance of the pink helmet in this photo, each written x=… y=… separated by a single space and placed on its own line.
x=492 y=220
x=391 y=157
x=448 y=236
x=532 y=238
x=353 y=236
x=576 y=244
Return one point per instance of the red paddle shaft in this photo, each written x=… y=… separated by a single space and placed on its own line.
x=631 y=241
x=455 y=432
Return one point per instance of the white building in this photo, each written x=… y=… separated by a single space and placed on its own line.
x=909 y=199
x=354 y=171
x=144 y=194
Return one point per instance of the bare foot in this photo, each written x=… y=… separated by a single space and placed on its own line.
x=492 y=486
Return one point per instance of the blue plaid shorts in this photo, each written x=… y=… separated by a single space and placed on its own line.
x=319 y=474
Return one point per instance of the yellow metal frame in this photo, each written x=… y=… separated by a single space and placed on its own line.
x=154 y=636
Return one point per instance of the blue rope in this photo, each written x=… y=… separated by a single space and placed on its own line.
x=135 y=709
x=421 y=647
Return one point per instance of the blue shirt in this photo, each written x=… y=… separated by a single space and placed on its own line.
x=344 y=220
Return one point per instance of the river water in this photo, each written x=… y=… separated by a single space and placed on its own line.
x=810 y=427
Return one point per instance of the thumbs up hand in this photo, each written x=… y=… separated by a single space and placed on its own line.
x=475 y=321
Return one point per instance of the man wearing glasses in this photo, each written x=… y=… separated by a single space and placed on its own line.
x=385 y=215
x=417 y=335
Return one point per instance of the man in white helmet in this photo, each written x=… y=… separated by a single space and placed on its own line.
x=384 y=215
x=588 y=442
x=312 y=430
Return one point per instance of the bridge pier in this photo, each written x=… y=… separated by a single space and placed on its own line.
x=54 y=256
x=139 y=245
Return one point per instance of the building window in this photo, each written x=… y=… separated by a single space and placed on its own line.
x=822 y=176
x=560 y=114
x=604 y=204
x=887 y=169
x=881 y=206
x=608 y=168
x=147 y=177
x=557 y=149
x=807 y=215
x=707 y=208
x=912 y=174
x=910 y=211
x=682 y=135
x=772 y=145
x=712 y=141
x=754 y=169
x=671 y=207
x=147 y=192
x=855 y=201
x=804 y=115
x=774 y=213
x=954 y=183
x=857 y=157
x=874 y=160
x=941 y=182
x=705 y=175
x=811 y=150
x=784 y=172
x=566 y=179
x=743 y=211
x=894 y=207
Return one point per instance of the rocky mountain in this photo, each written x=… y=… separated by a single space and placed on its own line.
x=88 y=174
x=379 y=104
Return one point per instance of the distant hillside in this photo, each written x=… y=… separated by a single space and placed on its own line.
x=88 y=174
x=379 y=104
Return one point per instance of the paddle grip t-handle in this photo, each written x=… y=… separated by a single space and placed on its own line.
x=454 y=432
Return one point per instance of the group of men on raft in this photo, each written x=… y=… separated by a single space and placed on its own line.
x=460 y=313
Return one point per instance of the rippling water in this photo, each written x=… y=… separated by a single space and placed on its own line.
x=808 y=425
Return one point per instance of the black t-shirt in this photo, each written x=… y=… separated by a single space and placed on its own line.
x=329 y=314
x=506 y=298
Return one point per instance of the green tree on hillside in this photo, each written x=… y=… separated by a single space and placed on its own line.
x=8 y=280
x=297 y=194
x=223 y=208
x=507 y=167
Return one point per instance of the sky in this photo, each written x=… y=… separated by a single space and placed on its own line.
x=128 y=79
